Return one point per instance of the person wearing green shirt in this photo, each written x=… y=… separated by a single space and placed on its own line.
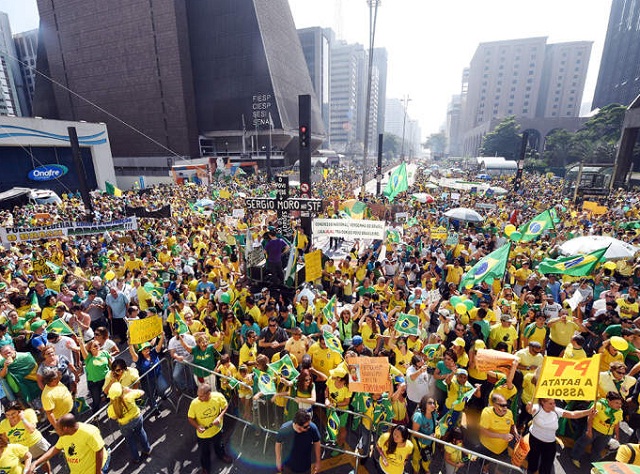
x=204 y=355
x=97 y=366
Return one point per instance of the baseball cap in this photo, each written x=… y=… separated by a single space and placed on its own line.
x=461 y=372
x=338 y=372
x=459 y=342
x=38 y=324
x=505 y=317
x=357 y=340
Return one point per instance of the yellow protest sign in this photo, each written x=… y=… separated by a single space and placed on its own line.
x=313 y=265
x=143 y=330
x=40 y=267
x=439 y=233
x=589 y=205
x=569 y=379
x=599 y=210
x=369 y=374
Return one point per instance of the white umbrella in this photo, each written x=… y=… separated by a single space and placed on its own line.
x=423 y=197
x=464 y=214
x=590 y=243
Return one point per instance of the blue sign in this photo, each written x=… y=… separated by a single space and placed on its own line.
x=47 y=172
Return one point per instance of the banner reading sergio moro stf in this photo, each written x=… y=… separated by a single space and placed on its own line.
x=348 y=228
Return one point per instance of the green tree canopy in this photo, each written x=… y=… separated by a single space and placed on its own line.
x=437 y=143
x=391 y=145
x=503 y=141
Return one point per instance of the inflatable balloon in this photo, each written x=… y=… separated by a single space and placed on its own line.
x=148 y=286
x=110 y=275
x=461 y=309
x=468 y=304
x=455 y=300
x=508 y=230
x=610 y=265
x=515 y=236
x=225 y=298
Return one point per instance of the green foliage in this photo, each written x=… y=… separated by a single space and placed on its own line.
x=503 y=141
x=558 y=150
x=391 y=145
x=605 y=126
x=437 y=143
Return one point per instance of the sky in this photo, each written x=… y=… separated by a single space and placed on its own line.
x=429 y=42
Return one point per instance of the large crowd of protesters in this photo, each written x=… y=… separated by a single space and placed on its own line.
x=221 y=327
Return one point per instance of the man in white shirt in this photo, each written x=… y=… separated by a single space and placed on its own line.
x=181 y=373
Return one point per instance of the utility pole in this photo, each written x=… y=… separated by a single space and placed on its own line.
x=405 y=103
x=373 y=17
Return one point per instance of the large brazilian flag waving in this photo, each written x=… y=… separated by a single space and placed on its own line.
x=536 y=226
x=577 y=265
x=490 y=268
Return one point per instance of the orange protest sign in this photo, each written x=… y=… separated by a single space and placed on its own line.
x=369 y=374
x=569 y=379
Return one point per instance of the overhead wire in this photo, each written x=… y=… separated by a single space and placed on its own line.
x=93 y=104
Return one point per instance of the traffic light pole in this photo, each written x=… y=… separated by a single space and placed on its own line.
x=304 y=154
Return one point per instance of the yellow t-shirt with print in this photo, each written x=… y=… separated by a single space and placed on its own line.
x=18 y=434
x=324 y=360
x=10 y=460
x=395 y=461
x=601 y=422
x=86 y=442
x=491 y=421
x=206 y=412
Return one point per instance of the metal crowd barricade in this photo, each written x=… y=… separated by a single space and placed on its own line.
x=474 y=455
x=263 y=418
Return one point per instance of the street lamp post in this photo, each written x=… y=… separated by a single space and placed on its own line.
x=373 y=17
x=405 y=102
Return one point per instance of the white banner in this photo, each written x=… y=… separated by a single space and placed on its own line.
x=348 y=228
x=11 y=235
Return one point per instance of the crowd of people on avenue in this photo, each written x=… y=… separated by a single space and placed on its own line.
x=278 y=353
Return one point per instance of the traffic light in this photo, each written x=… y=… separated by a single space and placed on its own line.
x=304 y=136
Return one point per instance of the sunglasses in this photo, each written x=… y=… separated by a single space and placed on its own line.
x=502 y=405
x=273 y=325
x=306 y=426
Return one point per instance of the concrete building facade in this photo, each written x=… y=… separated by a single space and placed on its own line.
x=526 y=78
x=178 y=77
x=12 y=93
x=619 y=75
x=27 y=49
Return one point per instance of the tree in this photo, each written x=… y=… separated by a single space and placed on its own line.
x=391 y=145
x=437 y=143
x=559 y=148
x=504 y=141
x=604 y=126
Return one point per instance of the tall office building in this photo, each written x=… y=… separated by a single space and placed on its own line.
x=192 y=76
x=27 y=49
x=12 y=93
x=380 y=61
x=619 y=75
x=316 y=46
x=523 y=77
x=346 y=93
x=452 y=130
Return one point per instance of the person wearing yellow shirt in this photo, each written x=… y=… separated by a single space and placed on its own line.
x=133 y=263
x=629 y=453
x=394 y=448
x=497 y=428
x=530 y=358
x=206 y=415
x=124 y=409
x=561 y=330
x=164 y=256
x=20 y=427
x=458 y=388
x=503 y=332
x=537 y=331
x=616 y=380
x=323 y=360
x=600 y=428
x=575 y=349
x=628 y=305
x=612 y=351
x=454 y=272
x=522 y=275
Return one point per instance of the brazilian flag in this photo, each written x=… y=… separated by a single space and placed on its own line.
x=383 y=411
x=284 y=368
x=398 y=182
x=490 y=268
x=577 y=265
x=332 y=342
x=112 y=189
x=408 y=324
x=333 y=424
x=266 y=382
x=182 y=326
x=536 y=226
x=60 y=327
x=360 y=403
x=329 y=309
